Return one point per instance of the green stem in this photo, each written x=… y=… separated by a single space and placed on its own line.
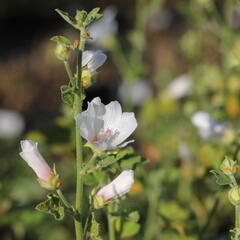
x=237 y=222
x=68 y=70
x=79 y=157
x=65 y=202
x=111 y=222
x=91 y=161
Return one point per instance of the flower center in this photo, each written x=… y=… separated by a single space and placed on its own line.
x=102 y=136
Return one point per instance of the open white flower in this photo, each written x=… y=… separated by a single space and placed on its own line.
x=106 y=126
x=35 y=160
x=93 y=60
x=180 y=87
x=207 y=127
x=107 y=26
x=118 y=187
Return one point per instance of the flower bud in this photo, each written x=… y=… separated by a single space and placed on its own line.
x=86 y=78
x=229 y=166
x=117 y=188
x=234 y=196
x=62 y=51
x=47 y=177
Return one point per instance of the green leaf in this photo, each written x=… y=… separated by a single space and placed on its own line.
x=130 y=229
x=92 y=16
x=94 y=229
x=67 y=94
x=52 y=206
x=134 y=216
x=221 y=178
x=62 y=40
x=80 y=17
x=67 y=18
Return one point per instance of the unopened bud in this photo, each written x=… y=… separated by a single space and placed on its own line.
x=76 y=44
x=53 y=182
x=234 y=196
x=62 y=51
x=229 y=166
x=86 y=78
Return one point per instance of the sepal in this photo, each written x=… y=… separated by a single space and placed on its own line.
x=229 y=166
x=53 y=182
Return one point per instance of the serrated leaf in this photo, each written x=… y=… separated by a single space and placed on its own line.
x=93 y=15
x=94 y=229
x=221 y=178
x=52 y=206
x=69 y=19
x=67 y=95
x=61 y=39
x=80 y=17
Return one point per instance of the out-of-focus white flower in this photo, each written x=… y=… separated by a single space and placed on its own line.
x=11 y=124
x=207 y=127
x=35 y=160
x=93 y=60
x=106 y=127
x=118 y=187
x=105 y=27
x=180 y=87
x=160 y=20
x=137 y=93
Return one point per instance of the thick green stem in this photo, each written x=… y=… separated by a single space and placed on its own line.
x=111 y=222
x=79 y=146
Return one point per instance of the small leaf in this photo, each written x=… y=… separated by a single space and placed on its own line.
x=62 y=40
x=221 y=178
x=92 y=16
x=94 y=229
x=67 y=17
x=52 y=206
x=134 y=216
x=130 y=229
x=67 y=95
x=80 y=17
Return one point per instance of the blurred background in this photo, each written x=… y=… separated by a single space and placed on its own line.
x=175 y=63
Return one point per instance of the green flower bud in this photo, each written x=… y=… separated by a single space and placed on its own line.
x=234 y=196
x=229 y=166
x=62 y=51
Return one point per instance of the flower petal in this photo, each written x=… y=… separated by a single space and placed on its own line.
x=86 y=57
x=96 y=61
x=125 y=127
x=112 y=116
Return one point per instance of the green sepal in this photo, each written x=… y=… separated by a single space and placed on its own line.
x=221 y=178
x=52 y=206
x=67 y=94
x=98 y=202
x=69 y=19
x=92 y=16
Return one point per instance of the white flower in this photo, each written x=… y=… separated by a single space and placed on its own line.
x=207 y=127
x=118 y=187
x=106 y=127
x=137 y=93
x=35 y=160
x=180 y=87
x=93 y=60
x=11 y=124
x=107 y=26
